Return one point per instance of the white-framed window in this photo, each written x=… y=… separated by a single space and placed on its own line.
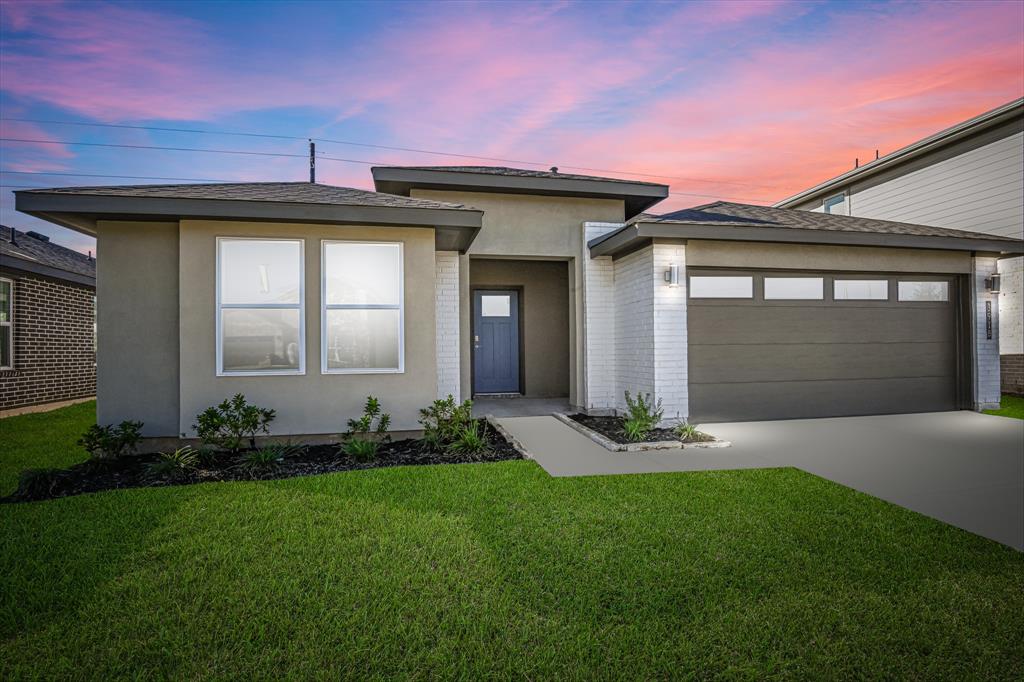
x=706 y=286
x=362 y=309
x=922 y=291
x=260 y=307
x=6 y=323
x=794 y=288
x=860 y=290
x=835 y=205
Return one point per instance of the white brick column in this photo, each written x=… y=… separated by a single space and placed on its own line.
x=670 y=333
x=986 y=350
x=598 y=324
x=446 y=304
x=634 y=324
x=1011 y=306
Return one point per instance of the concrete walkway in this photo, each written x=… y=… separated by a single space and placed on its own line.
x=963 y=468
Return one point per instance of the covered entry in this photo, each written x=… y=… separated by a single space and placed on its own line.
x=789 y=345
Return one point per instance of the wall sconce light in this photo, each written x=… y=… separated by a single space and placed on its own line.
x=992 y=284
x=672 y=275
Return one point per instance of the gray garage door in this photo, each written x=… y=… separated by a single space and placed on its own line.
x=777 y=345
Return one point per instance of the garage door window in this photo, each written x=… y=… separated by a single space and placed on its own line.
x=794 y=288
x=923 y=291
x=861 y=290
x=721 y=287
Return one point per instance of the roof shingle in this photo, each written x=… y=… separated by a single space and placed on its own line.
x=33 y=250
x=521 y=173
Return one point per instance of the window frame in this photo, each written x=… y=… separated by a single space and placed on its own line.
x=325 y=306
x=751 y=297
x=886 y=281
x=825 y=205
x=300 y=306
x=9 y=324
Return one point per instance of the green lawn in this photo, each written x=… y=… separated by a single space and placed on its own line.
x=497 y=570
x=1009 y=406
x=45 y=439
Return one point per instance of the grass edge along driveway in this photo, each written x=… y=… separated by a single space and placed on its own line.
x=501 y=570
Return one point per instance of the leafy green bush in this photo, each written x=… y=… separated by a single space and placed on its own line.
x=231 y=423
x=363 y=438
x=444 y=421
x=173 y=464
x=39 y=484
x=470 y=440
x=108 y=442
x=642 y=415
x=266 y=459
x=688 y=433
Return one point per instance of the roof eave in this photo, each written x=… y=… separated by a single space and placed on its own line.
x=964 y=129
x=455 y=229
x=401 y=181
x=14 y=262
x=628 y=238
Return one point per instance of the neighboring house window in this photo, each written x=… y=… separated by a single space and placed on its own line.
x=835 y=205
x=260 y=310
x=6 y=324
x=362 y=314
x=922 y=291
x=721 y=287
x=860 y=290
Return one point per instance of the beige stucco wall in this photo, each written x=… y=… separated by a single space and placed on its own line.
x=708 y=253
x=137 y=325
x=545 y=321
x=313 y=403
x=528 y=226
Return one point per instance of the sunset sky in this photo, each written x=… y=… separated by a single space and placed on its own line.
x=747 y=101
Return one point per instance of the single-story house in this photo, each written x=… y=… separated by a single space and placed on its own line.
x=47 y=322
x=969 y=176
x=496 y=281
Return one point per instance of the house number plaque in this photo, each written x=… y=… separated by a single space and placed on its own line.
x=988 y=319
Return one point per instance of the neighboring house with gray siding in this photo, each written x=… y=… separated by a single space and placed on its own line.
x=47 y=321
x=483 y=281
x=967 y=177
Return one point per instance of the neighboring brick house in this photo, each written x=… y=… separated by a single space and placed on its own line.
x=47 y=321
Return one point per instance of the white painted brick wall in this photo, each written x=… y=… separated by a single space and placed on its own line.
x=599 y=323
x=1011 y=306
x=986 y=351
x=670 y=333
x=446 y=303
x=634 y=325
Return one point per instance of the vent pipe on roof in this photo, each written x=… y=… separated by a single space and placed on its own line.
x=554 y=169
x=36 y=235
x=876 y=155
x=312 y=161
x=14 y=237
x=856 y=162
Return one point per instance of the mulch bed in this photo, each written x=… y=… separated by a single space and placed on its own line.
x=611 y=428
x=131 y=471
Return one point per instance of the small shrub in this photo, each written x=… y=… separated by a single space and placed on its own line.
x=688 y=433
x=470 y=440
x=364 y=435
x=642 y=415
x=231 y=423
x=39 y=484
x=444 y=421
x=108 y=442
x=361 y=450
x=266 y=459
x=173 y=464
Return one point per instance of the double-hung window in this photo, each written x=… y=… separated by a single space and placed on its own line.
x=362 y=315
x=260 y=312
x=6 y=324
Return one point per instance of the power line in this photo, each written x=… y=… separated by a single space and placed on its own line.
x=100 y=175
x=413 y=150
x=146 y=146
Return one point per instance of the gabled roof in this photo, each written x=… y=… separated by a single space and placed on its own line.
x=80 y=207
x=745 y=222
x=972 y=126
x=636 y=195
x=40 y=256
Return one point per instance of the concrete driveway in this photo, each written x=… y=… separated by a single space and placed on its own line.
x=963 y=468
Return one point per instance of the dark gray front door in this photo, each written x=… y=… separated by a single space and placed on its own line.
x=495 y=341
x=802 y=345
